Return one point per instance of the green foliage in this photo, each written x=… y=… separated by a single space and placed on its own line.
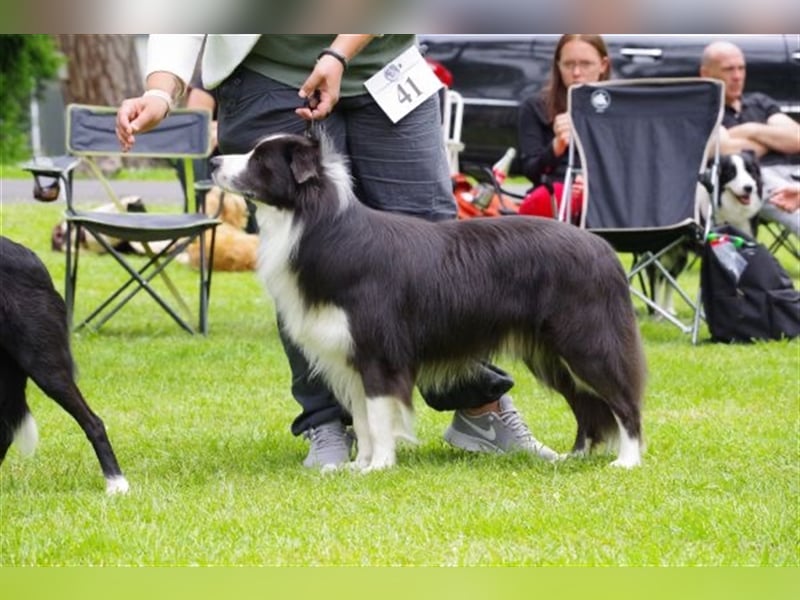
x=24 y=59
x=201 y=429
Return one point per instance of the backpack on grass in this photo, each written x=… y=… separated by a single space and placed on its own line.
x=747 y=295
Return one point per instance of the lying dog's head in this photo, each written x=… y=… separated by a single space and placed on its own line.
x=740 y=188
x=274 y=172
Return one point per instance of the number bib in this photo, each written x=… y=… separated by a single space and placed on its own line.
x=403 y=84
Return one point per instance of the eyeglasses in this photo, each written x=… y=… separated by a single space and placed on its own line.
x=583 y=65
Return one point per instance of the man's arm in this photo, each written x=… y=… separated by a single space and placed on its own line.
x=780 y=133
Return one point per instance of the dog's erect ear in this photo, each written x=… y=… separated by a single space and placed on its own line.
x=303 y=162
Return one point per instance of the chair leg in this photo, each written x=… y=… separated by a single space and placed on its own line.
x=153 y=267
x=206 y=269
x=71 y=270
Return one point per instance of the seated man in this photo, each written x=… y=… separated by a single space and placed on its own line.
x=755 y=122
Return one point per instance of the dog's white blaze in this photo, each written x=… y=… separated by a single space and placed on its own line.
x=630 y=454
x=26 y=437
x=230 y=167
x=117 y=485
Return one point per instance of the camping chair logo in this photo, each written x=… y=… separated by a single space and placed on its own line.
x=600 y=100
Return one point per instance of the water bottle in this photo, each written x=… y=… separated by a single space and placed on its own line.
x=725 y=251
x=485 y=192
x=501 y=168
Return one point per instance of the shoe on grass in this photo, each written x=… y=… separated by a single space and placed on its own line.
x=503 y=431
x=330 y=447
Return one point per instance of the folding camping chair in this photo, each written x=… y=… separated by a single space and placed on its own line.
x=183 y=135
x=642 y=146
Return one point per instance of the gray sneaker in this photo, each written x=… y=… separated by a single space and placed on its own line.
x=330 y=446
x=502 y=432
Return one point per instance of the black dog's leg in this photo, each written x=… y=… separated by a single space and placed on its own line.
x=59 y=384
x=13 y=407
x=594 y=418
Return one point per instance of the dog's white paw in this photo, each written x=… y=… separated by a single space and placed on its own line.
x=117 y=485
x=626 y=463
x=380 y=464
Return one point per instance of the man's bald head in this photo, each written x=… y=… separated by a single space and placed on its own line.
x=725 y=61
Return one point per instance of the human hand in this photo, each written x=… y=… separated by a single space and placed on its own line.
x=787 y=198
x=577 y=186
x=137 y=115
x=561 y=131
x=322 y=89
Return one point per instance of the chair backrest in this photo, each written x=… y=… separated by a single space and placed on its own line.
x=184 y=135
x=642 y=144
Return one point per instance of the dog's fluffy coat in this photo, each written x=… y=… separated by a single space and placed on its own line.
x=379 y=301
x=34 y=343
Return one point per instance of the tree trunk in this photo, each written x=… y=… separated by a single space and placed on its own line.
x=101 y=69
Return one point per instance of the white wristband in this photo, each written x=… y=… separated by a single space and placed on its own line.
x=166 y=97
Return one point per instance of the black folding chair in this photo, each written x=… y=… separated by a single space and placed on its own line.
x=642 y=146
x=184 y=135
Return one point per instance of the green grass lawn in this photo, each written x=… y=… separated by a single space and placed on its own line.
x=201 y=429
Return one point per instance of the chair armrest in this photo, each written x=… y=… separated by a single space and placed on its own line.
x=51 y=166
x=53 y=169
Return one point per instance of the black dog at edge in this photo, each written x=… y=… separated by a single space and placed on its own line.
x=34 y=343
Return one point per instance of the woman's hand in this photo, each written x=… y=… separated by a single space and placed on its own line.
x=561 y=131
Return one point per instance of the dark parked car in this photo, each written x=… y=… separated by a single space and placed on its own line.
x=493 y=72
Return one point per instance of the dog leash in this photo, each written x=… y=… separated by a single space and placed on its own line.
x=312 y=128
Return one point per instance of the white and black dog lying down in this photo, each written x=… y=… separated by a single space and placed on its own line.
x=34 y=343
x=379 y=301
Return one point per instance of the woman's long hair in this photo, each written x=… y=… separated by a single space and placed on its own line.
x=555 y=92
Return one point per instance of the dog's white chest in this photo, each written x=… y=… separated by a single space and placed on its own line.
x=322 y=331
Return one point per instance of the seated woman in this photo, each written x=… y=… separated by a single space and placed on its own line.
x=544 y=126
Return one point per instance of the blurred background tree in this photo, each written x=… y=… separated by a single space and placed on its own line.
x=97 y=69
x=24 y=60
x=101 y=69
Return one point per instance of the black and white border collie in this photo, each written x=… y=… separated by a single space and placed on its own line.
x=34 y=343
x=379 y=301
x=740 y=200
x=740 y=192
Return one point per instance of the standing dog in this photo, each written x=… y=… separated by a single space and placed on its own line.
x=379 y=301
x=34 y=343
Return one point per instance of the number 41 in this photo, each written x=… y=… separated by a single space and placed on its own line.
x=403 y=95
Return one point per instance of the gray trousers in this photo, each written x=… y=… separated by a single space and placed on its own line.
x=398 y=168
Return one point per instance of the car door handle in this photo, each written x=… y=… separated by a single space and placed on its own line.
x=640 y=53
x=796 y=56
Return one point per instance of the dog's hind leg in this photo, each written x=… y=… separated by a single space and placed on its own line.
x=16 y=422
x=56 y=380
x=606 y=408
x=593 y=417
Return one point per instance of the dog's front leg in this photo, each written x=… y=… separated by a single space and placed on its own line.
x=358 y=410
x=380 y=417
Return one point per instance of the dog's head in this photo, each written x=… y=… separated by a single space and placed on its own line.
x=740 y=187
x=275 y=172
